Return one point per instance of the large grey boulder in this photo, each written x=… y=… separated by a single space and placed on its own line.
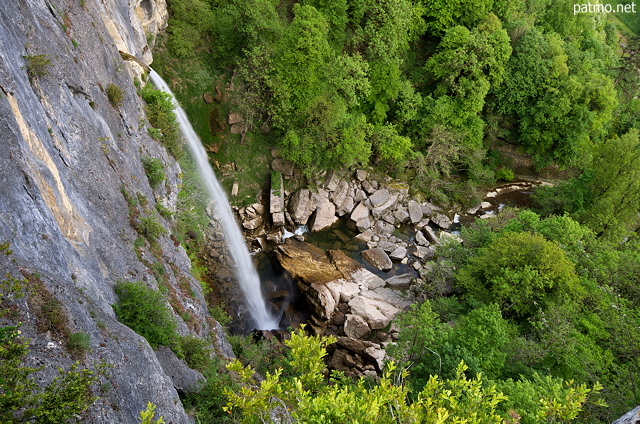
x=379 y=198
x=398 y=282
x=301 y=206
x=185 y=379
x=378 y=258
x=360 y=212
x=324 y=215
x=355 y=326
x=415 y=211
x=375 y=312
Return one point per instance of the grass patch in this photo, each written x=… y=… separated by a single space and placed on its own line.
x=37 y=65
x=115 y=94
x=79 y=343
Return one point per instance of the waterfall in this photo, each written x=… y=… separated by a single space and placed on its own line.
x=245 y=271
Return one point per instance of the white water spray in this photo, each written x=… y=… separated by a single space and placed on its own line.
x=245 y=271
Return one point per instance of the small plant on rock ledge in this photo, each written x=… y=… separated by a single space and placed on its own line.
x=154 y=170
x=37 y=65
x=115 y=94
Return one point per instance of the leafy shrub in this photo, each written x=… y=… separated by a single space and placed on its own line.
x=149 y=227
x=154 y=170
x=144 y=311
x=37 y=65
x=196 y=353
x=504 y=174
x=115 y=94
x=160 y=112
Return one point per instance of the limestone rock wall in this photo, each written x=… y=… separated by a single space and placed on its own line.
x=67 y=155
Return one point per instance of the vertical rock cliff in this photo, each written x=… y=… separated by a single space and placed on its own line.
x=68 y=156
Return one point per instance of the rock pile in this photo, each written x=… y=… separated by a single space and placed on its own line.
x=345 y=299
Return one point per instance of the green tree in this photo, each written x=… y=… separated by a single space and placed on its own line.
x=522 y=272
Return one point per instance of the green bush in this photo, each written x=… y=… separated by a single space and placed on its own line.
x=195 y=351
x=115 y=94
x=504 y=174
x=154 y=170
x=37 y=65
x=160 y=112
x=144 y=311
x=149 y=227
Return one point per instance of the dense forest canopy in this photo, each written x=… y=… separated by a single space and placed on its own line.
x=431 y=91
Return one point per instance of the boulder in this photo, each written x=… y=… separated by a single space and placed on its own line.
x=424 y=253
x=276 y=197
x=365 y=236
x=431 y=235
x=361 y=175
x=278 y=219
x=321 y=301
x=339 y=193
x=185 y=379
x=378 y=259
x=363 y=225
x=376 y=313
x=442 y=221
x=359 y=196
x=348 y=291
x=379 y=197
x=324 y=215
x=398 y=253
x=332 y=180
x=301 y=206
x=208 y=98
x=346 y=206
x=234 y=189
x=368 y=186
x=366 y=279
x=399 y=282
x=355 y=326
x=360 y=212
x=415 y=211
x=421 y=239
x=284 y=166
x=376 y=356
x=389 y=296
x=252 y=224
x=237 y=128
x=401 y=215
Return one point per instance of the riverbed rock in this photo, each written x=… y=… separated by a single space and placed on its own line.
x=379 y=197
x=355 y=326
x=332 y=180
x=360 y=212
x=398 y=253
x=324 y=215
x=421 y=239
x=442 y=221
x=415 y=211
x=378 y=258
x=301 y=206
x=399 y=282
x=375 y=312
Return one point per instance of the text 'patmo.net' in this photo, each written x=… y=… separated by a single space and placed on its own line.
x=604 y=8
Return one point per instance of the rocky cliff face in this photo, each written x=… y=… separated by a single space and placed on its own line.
x=67 y=155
